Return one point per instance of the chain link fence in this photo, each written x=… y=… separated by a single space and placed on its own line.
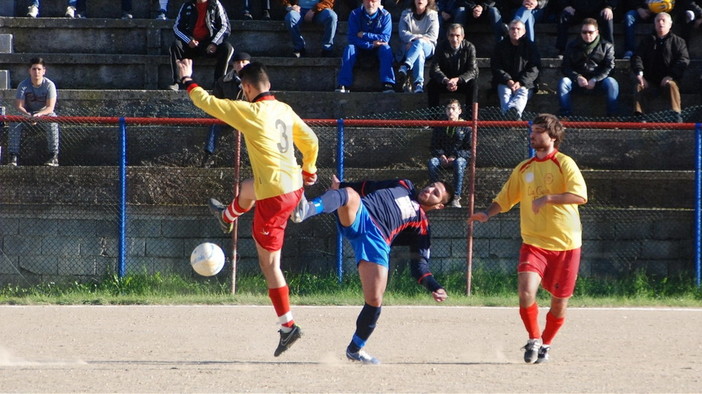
x=63 y=223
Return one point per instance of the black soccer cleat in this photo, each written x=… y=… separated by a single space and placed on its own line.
x=287 y=339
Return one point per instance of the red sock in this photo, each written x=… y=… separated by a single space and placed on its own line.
x=530 y=316
x=553 y=324
x=281 y=303
x=233 y=211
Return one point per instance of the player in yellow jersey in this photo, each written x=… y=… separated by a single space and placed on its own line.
x=270 y=129
x=549 y=188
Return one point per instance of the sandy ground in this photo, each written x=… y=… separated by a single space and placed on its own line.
x=423 y=349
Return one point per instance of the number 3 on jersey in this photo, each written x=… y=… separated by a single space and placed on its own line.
x=284 y=144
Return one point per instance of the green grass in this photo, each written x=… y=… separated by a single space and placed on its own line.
x=488 y=289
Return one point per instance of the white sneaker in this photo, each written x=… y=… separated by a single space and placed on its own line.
x=161 y=15
x=32 y=11
x=456 y=203
x=70 y=12
x=362 y=357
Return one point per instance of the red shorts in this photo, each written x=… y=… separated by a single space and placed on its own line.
x=558 y=269
x=271 y=217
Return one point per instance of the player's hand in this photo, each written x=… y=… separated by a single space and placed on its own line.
x=185 y=67
x=439 y=295
x=309 y=179
x=480 y=216
x=335 y=182
x=539 y=203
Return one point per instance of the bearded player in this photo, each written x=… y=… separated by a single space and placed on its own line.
x=270 y=129
x=549 y=187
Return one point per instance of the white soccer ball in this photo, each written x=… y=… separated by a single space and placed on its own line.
x=207 y=259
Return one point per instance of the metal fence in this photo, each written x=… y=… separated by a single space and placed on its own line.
x=132 y=199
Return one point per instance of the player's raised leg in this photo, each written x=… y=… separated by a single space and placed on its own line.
x=242 y=203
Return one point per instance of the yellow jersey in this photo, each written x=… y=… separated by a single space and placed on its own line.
x=556 y=226
x=270 y=129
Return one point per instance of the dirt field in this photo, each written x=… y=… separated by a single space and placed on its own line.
x=423 y=349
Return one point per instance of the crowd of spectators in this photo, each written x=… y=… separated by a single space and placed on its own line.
x=433 y=33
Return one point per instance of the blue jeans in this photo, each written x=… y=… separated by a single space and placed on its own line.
x=326 y=17
x=459 y=169
x=529 y=18
x=348 y=61
x=416 y=56
x=509 y=99
x=212 y=137
x=71 y=3
x=631 y=18
x=51 y=130
x=609 y=85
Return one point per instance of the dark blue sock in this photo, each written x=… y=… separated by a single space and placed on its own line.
x=330 y=201
x=365 y=324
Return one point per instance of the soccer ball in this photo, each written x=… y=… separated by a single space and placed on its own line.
x=207 y=259
x=658 y=6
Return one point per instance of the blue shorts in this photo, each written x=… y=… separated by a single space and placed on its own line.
x=366 y=240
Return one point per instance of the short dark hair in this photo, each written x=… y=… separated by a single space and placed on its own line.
x=552 y=125
x=254 y=73
x=590 y=21
x=36 y=60
x=450 y=191
x=455 y=26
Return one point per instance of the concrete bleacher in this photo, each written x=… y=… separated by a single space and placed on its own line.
x=105 y=66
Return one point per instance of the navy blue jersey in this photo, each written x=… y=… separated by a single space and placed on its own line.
x=395 y=211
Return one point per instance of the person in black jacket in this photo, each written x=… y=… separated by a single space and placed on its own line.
x=196 y=37
x=658 y=64
x=574 y=11
x=454 y=68
x=587 y=65
x=228 y=86
x=515 y=67
x=450 y=148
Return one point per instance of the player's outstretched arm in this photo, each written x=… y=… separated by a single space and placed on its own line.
x=484 y=216
x=439 y=295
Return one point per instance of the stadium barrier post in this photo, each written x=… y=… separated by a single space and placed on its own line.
x=121 y=259
x=698 y=202
x=340 y=172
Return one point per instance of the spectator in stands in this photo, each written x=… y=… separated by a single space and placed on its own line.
x=574 y=11
x=36 y=97
x=527 y=11
x=266 y=16
x=586 y=66
x=201 y=29
x=454 y=68
x=450 y=148
x=162 y=10
x=659 y=63
x=320 y=12
x=74 y=8
x=689 y=16
x=450 y=11
x=228 y=86
x=637 y=12
x=369 y=29
x=515 y=66
x=418 y=30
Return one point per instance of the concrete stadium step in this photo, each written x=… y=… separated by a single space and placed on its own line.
x=76 y=185
x=260 y=38
x=115 y=71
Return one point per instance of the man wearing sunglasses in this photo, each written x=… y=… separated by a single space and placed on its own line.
x=587 y=65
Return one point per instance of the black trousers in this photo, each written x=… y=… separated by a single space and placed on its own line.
x=180 y=50
x=436 y=89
